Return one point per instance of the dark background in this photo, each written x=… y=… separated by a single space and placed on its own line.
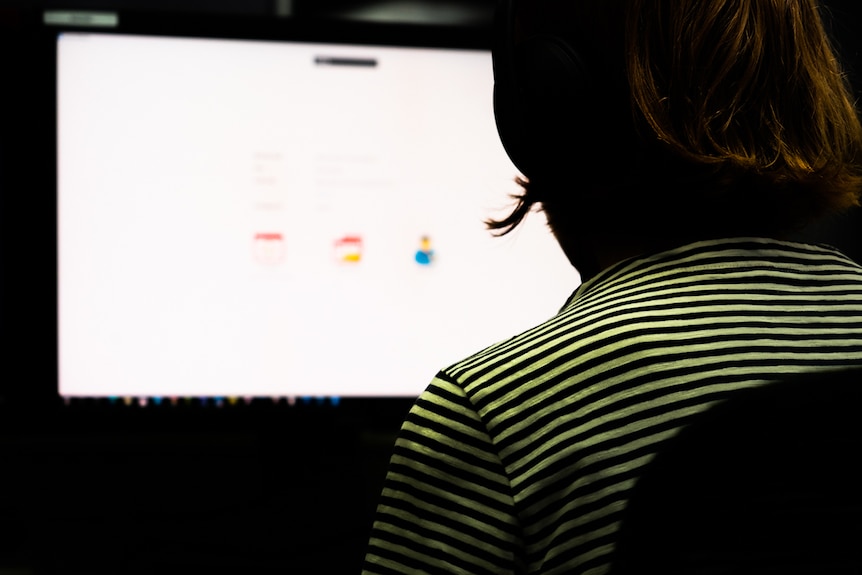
x=95 y=487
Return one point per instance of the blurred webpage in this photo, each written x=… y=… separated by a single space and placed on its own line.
x=250 y=218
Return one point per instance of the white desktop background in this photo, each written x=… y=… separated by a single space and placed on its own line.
x=237 y=220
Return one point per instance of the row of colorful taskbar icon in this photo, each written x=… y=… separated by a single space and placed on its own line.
x=202 y=402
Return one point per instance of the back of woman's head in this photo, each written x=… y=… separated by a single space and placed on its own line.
x=738 y=113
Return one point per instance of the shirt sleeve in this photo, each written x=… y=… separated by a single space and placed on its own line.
x=446 y=505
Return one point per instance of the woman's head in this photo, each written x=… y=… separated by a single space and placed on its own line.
x=703 y=118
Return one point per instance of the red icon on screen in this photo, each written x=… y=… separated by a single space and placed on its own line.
x=269 y=248
x=348 y=249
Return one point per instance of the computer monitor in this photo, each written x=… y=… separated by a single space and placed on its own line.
x=282 y=217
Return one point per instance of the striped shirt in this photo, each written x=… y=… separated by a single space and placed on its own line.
x=520 y=458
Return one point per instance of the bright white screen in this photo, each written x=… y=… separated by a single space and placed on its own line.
x=241 y=218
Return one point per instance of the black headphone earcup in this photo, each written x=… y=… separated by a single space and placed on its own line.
x=542 y=92
x=506 y=105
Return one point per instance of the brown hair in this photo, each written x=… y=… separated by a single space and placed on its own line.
x=741 y=112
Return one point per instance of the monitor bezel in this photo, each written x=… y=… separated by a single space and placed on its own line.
x=31 y=313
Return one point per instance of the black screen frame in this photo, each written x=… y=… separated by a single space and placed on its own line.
x=29 y=177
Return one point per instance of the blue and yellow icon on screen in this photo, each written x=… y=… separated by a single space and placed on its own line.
x=425 y=254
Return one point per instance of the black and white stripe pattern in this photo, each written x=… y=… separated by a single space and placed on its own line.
x=520 y=458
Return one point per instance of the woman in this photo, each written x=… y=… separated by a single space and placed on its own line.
x=674 y=147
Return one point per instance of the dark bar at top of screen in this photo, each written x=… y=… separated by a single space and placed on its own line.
x=343 y=61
